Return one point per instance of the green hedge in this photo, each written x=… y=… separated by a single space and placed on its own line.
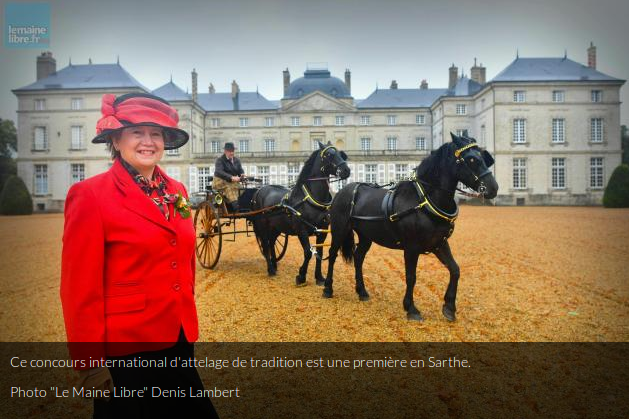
x=617 y=191
x=15 y=198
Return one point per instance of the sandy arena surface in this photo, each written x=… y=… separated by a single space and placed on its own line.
x=527 y=274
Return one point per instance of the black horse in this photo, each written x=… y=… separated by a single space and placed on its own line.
x=302 y=210
x=417 y=216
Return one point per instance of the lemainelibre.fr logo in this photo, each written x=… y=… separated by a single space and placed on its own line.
x=27 y=25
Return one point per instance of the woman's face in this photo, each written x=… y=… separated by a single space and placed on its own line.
x=141 y=147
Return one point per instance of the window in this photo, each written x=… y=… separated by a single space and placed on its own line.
x=263 y=173
x=401 y=171
x=269 y=145
x=596 y=130
x=340 y=120
x=596 y=172
x=461 y=109
x=216 y=146
x=269 y=121
x=558 y=166
x=558 y=96
x=40 y=104
x=597 y=96
x=559 y=132
x=519 y=96
x=365 y=143
x=41 y=139
x=519 y=130
x=519 y=173
x=76 y=142
x=78 y=172
x=420 y=119
x=41 y=179
x=215 y=122
x=371 y=173
x=293 y=173
x=391 y=143
x=243 y=122
x=365 y=120
x=391 y=120
x=294 y=121
x=316 y=121
x=76 y=104
x=315 y=144
x=243 y=146
x=420 y=143
x=204 y=178
x=461 y=132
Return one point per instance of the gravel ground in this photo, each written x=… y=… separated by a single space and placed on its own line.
x=527 y=274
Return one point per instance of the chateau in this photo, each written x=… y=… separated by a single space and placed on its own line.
x=552 y=124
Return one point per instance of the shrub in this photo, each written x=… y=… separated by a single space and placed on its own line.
x=15 y=198
x=617 y=191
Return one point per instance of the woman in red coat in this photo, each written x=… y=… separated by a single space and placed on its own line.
x=128 y=265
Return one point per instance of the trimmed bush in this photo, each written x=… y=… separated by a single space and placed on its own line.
x=617 y=191
x=15 y=198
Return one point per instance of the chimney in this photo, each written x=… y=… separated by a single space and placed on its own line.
x=477 y=73
x=393 y=84
x=286 y=75
x=592 y=56
x=423 y=85
x=194 y=85
x=453 y=72
x=235 y=89
x=211 y=89
x=348 y=80
x=46 y=65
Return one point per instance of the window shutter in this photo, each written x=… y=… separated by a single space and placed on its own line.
x=193 y=180
x=391 y=172
x=283 y=174
x=352 y=175
x=360 y=173
x=273 y=175
x=381 y=174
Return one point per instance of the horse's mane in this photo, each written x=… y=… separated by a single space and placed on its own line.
x=432 y=166
x=305 y=171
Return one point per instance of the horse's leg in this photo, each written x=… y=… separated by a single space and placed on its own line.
x=359 y=257
x=261 y=232
x=300 y=279
x=332 y=254
x=444 y=254
x=272 y=255
x=318 y=276
x=410 y=263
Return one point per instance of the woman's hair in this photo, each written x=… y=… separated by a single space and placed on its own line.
x=110 y=144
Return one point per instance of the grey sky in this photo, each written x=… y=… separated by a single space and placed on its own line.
x=253 y=41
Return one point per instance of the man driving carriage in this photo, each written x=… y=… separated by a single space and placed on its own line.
x=228 y=173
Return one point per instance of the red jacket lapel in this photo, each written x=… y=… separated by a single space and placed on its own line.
x=135 y=200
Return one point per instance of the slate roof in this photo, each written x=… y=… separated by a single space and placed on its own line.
x=171 y=92
x=247 y=101
x=465 y=87
x=86 y=76
x=550 y=69
x=401 y=98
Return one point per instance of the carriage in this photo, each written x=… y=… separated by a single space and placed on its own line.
x=214 y=219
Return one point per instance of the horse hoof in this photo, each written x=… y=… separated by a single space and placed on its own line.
x=363 y=297
x=320 y=282
x=300 y=282
x=272 y=273
x=327 y=293
x=415 y=317
x=448 y=313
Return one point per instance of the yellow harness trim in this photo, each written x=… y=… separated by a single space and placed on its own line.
x=433 y=209
x=326 y=149
x=458 y=152
x=313 y=201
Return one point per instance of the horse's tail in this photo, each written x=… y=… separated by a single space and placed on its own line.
x=347 y=247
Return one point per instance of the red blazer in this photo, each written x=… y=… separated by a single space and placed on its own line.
x=127 y=273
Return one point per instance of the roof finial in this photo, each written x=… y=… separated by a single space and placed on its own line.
x=376 y=86
x=474 y=61
x=70 y=62
x=89 y=60
x=118 y=59
x=565 y=53
x=171 y=77
x=257 y=92
x=517 y=53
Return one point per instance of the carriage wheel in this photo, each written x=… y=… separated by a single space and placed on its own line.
x=281 y=243
x=207 y=225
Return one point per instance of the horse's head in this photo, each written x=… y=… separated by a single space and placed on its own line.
x=472 y=166
x=333 y=161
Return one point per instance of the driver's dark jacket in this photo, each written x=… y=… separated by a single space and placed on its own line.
x=224 y=169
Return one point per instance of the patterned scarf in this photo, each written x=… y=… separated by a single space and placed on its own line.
x=154 y=188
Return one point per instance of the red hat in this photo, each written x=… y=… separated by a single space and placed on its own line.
x=139 y=109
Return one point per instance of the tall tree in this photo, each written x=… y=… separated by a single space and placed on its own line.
x=8 y=142
x=624 y=138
